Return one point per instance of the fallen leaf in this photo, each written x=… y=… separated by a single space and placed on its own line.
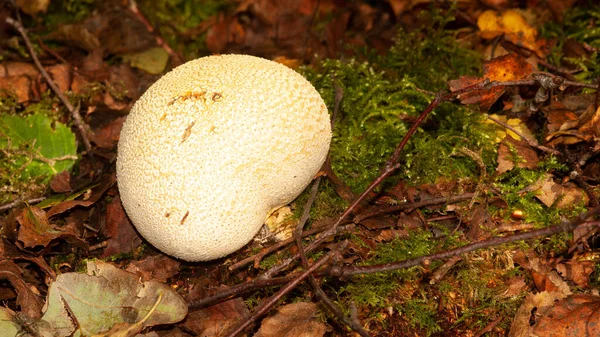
x=527 y=157
x=215 y=320
x=123 y=237
x=388 y=235
x=33 y=7
x=90 y=195
x=544 y=275
x=157 y=267
x=576 y=270
x=61 y=183
x=512 y=25
x=293 y=320
x=528 y=311
x=516 y=286
x=153 y=60
x=29 y=302
x=586 y=128
x=549 y=192
x=480 y=223
x=109 y=298
x=510 y=67
x=576 y=315
x=35 y=229
x=18 y=87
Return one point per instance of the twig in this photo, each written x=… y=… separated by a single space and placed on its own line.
x=489 y=327
x=15 y=203
x=275 y=247
x=132 y=6
x=390 y=167
x=79 y=123
x=223 y=295
x=564 y=227
x=270 y=302
x=313 y=282
x=531 y=142
x=414 y=205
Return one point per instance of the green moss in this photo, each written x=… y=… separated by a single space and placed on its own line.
x=374 y=289
x=383 y=95
x=421 y=313
x=67 y=12
x=177 y=19
x=579 y=24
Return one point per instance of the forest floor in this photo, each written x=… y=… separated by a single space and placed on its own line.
x=460 y=196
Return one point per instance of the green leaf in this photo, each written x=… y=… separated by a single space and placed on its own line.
x=153 y=61
x=35 y=146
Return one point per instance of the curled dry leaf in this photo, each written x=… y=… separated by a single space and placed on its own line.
x=533 y=304
x=35 y=229
x=544 y=275
x=30 y=302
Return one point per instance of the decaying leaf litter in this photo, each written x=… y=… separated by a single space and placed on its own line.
x=471 y=226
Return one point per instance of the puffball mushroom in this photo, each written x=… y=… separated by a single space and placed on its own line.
x=213 y=147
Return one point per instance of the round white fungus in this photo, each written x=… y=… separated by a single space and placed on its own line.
x=214 y=146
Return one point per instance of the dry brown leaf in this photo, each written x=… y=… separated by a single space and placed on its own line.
x=528 y=156
x=17 y=86
x=577 y=315
x=388 y=235
x=157 y=267
x=107 y=136
x=516 y=286
x=123 y=237
x=33 y=7
x=293 y=320
x=533 y=304
x=543 y=273
x=577 y=271
x=216 y=320
x=61 y=183
x=30 y=302
x=549 y=192
x=509 y=67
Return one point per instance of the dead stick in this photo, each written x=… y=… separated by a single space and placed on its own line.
x=562 y=228
x=531 y=142
x=270 y=302
x=74 y=111
x=237 y=290
x=353 y=324
x=390 y=167
x=256 y=258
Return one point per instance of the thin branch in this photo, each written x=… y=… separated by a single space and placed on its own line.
x=390 y=167
x=531 y=142
x=16 y=203
x=132 y=6
x=564 y=227
x=313 y=282
x=270 y=302
x=79 y=123
x=414 y=205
